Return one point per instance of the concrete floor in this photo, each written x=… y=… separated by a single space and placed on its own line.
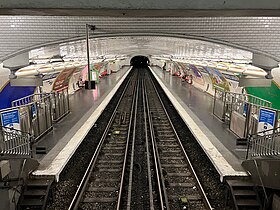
x=82 y=105
x=201 y=105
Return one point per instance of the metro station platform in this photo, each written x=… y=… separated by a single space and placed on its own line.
x=85 y=108
x=194 y=106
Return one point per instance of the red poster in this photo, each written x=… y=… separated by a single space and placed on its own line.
x=62 y=79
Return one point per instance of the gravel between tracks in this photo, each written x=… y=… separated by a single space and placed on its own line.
x=65 y=189
x=206 y=172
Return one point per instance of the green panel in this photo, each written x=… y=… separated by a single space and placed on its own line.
x=271 y=94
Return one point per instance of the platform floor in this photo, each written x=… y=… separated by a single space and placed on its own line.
x=195 y=107
x=85 y=108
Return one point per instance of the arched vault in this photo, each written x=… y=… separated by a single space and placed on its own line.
x=258 y=35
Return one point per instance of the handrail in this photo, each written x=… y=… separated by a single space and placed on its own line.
x=14 y=142
x=38 y=112
x=263 y=144
x=260 y=178
x=19 y=176
x=27 y=100
x=252 y=97
x=266 y=131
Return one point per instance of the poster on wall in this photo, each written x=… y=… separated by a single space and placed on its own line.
x=11 y=119
x=266 y=121
x=62 y=79
x=217 y=78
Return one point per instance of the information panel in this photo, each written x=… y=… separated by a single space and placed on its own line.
x=34 y=111
x=266 y=120
x=11 y=119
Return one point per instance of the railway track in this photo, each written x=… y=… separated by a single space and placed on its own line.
x=181 y=188
x=140 y=162
x=101 y=185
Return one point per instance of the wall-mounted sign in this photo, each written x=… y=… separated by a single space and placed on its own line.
x=10 y=119
x=34 y=110
x=245 y=109
x=93 y=76
x=266 y=120
x=63 y=78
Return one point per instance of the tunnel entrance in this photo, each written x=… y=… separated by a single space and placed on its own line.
x=140 y=61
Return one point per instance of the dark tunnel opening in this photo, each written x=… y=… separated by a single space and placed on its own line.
x=140 y=61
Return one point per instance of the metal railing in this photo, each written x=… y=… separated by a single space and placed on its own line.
x=29 y=99
x=227 y=102
x=14 y=142
x=264 y=144
x=241 y=111
x=219 y=107
x=39 y=111
x=60 y=103
x=35 y=114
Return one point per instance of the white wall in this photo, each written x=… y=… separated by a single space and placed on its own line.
x=276 y=75
x=4 y=75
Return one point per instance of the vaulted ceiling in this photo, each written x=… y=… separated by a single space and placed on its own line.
x=175 y=36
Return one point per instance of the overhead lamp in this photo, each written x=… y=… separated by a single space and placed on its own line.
x=269 y=75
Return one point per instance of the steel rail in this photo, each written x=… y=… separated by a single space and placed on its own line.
x=132 y=148
x=79 y=193
x=151 y=197
x=204 y=197
x=126 y=149
x=160 y=181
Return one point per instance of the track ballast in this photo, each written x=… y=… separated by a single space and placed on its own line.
x=140 y=162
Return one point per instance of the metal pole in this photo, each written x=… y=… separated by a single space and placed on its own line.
x=87 y=38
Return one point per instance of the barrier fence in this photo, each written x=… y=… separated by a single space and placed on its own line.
x=60 y=101
x=14 y=142
x=264 y=144
x=33 y=114
x=241 y=111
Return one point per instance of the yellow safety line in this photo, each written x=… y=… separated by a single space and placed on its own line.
x=276 y=84
x=4 y=86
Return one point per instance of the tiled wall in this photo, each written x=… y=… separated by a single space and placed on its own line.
x=260 y=33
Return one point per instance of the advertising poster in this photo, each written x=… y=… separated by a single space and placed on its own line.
x=10 y=119
x=195 y=71
x=62 y=79
x=266 y=120
x=217 y=78
x=198 y=78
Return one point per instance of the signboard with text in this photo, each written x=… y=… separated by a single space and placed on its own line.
x=11 y=119
x=34 y=111
x=266 y=120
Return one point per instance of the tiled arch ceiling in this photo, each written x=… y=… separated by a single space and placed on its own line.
x=26 y=32
x=149 y=45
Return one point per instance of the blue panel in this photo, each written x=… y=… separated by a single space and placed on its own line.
x=10 y=93
x=11 y=119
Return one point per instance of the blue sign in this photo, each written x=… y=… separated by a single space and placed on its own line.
x=266 y=120
x=33 y=110
x=245 y=109
x=11 y=119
